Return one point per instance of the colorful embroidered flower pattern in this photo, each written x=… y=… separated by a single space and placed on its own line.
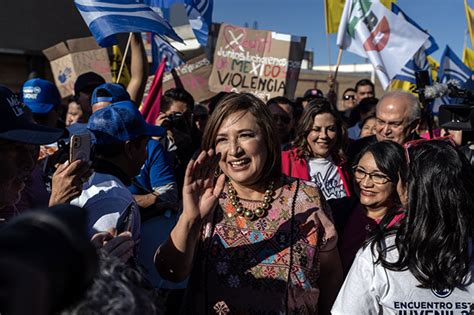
x=253 y=257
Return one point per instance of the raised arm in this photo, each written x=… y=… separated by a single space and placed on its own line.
x=138 y=68
x=201 y=190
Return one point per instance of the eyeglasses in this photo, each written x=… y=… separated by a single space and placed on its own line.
x=349 y=97
x=408 y=146
x=376 y=178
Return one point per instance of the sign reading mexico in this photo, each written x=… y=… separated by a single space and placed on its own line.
x=263 y=63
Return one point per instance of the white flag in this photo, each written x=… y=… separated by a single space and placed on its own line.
x=370 y=30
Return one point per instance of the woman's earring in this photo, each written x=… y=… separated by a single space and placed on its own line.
x=217 y=172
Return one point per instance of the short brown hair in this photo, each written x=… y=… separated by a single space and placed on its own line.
x=247 y=103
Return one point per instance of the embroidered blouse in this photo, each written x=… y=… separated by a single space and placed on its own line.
x=266 y=266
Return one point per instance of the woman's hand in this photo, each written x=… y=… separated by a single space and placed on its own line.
x=201 y=189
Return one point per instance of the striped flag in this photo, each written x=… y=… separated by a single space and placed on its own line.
x=451 y=68
x=162 y=49
x=419 y=60
x=200 y=17
x=105 y=18
x=199 y=14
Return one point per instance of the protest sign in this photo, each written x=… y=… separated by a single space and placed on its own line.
x=74 y=57
x=194 y=75
x=264 y=63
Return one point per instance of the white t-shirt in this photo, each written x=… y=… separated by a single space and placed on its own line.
x=372 y=289
x=324 y=173
x=106 y=198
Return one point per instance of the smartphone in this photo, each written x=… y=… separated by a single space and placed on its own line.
x=80 y=147
x=124 y=222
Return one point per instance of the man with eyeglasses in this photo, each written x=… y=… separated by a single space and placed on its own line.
x=397 y=117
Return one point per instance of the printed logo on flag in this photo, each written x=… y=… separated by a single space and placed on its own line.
x=379 y=37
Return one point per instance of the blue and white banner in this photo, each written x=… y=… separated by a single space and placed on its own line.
x=199 y=14
x=418 y=62
x=200 y=18
x=160 y=48
x=451 y=68
x=105 y=18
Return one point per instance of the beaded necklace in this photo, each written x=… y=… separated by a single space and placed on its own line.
x=250 y=214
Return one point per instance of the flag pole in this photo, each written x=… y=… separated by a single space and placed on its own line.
x=328 y=44
x=339 y=56
x=124 y=57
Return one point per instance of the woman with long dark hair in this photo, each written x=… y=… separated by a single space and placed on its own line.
x=427 y=264
x=379 y=169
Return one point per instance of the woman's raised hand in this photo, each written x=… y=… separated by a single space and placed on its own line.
x=201 y=188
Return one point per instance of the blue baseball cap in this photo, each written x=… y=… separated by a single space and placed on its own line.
x=116 y=92
x=41 y=96
x=16 y=124
x=121 y=122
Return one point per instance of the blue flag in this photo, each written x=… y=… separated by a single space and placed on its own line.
x=160 y=48
x=418 y=62
x=199 y=14
x=450 y=68
x=200 y=18
x=105 y=18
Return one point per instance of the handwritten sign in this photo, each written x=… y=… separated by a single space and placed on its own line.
x=75 y=57
x=264 y=63
x=194 y=75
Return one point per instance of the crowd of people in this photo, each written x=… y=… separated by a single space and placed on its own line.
x=231 y=206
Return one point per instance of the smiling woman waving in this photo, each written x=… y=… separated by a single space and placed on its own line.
x=251 y=239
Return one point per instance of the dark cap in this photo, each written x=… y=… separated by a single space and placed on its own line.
x=89 y=81
x=121 y=122
x=16 y=124
x=313 y=93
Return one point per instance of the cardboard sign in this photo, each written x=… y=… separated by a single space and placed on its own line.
x=264 y=63
x=195 y=78
x=74 y=57
x=194 y=75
